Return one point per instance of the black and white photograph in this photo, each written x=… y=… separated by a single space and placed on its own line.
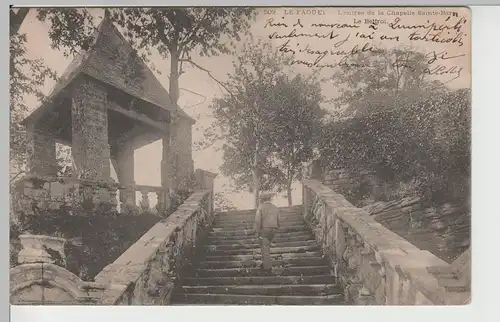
x=300 y=156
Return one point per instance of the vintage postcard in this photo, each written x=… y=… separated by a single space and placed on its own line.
x=240 y=156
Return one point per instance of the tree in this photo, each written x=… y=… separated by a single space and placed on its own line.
x=260 y=120
x=402 y=125
x=295 y=102
x=242 y=117
x=221 y=203
x=394 y=77
x=175 y=33
x=27 y=78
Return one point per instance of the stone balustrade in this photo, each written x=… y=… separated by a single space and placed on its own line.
x=147 y=272
x=375 y=265
x=51 y=193
x=128 y=193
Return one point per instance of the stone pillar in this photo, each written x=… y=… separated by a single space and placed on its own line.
x=166 y=166
x=316 y=170
x=166 y=173
x=90 y=147
x=125 y=172
x=173 y=156
x=41 y=152
x=205 y=180
x=177 y=162
x=183 y=146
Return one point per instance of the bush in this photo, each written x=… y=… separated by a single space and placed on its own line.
x=358 y=193
x=425 y=144
x=97 y=238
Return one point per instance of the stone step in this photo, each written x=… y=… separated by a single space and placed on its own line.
x=222 y=299
x=229 y=258
x=274 y=250
x=229 y=271
x=285 y=271
x=260 y=280
x=215 y=247
x=251 y=214
x=251 y=234
x=274 y=290
x=251 y=219
x=306 y=261
x=284 y=210
x=251 y=228
x=248 y=232
x=250 y=225
x=252 y=239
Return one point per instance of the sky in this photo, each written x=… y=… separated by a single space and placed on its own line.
x=198 y=89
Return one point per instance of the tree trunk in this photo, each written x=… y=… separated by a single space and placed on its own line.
x=174 y=75
x=173 y=91
x=256 y=186
x=256 y=174
x=289 y=192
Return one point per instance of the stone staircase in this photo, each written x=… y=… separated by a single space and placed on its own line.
x=228 y=273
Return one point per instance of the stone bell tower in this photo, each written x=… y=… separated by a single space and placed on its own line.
x=107 y=104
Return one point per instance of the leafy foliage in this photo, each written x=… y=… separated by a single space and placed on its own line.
x=27 y=78
x=267 y=120
x=71 y=29
x=184 y=30
x=394 y=77
x=404 y=128
x=221 y=203
x=295 y=104
x=241 y=116
x=99 y=237
x=174 y=33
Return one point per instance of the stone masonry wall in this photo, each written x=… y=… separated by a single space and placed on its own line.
x=445 y=230
x=41 y=152
x=90 y=146
x=182 y=165
x=145 y=274
x=373 y=264
x=340 y=179
x=46 y=283
x=148 y=272
x=51 y=193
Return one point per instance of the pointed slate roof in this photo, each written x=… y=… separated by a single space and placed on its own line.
x=112 y=60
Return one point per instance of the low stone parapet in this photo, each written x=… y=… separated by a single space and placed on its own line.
x=147 y=272
x=51 y=193
x=375 y=265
